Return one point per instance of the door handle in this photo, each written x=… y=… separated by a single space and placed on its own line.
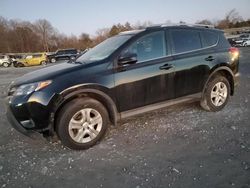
x=209 y=58
x=166 y=67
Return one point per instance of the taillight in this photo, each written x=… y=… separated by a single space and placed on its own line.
x=234 y=53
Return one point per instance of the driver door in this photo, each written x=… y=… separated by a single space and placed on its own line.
x=150 y=79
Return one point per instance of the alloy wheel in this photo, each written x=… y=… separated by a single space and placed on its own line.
x=219 y=94
x=85 y=125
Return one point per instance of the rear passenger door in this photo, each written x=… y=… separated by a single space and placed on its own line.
x=192 y=60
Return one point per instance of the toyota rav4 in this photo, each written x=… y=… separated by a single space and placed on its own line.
x=131 y=73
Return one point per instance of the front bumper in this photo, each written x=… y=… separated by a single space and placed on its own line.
x=30 y=114
x=15 y=124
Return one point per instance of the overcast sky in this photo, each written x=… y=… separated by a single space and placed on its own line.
x=77 y=16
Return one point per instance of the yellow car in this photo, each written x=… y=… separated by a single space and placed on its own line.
x=30 y=60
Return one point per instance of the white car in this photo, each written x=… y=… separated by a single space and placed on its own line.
x=246 y=43
x=5 y=61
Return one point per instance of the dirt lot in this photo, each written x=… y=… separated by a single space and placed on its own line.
x=180 y=146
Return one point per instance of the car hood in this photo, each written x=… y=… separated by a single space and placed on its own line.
x=47 y=73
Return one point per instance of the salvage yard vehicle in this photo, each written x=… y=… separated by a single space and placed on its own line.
x=128 y=74
x=31 y=60
x=63 y=54
x=5 y=61
x=246 y=42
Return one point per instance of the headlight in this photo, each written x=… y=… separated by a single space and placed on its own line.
x=26 y=89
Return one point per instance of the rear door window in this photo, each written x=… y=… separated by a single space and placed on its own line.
x=185 y=40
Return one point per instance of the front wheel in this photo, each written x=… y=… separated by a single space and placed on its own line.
x=216 y=94
x=82 y=123
x=5 y=64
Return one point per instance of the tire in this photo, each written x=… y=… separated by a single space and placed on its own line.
x=216 y=94
x=19 y=65
x=5 y=64
x=73 y=125
x=15 y=64
x=53 y=60
x=43 y=63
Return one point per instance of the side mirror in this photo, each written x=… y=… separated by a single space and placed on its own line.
x=127 y=59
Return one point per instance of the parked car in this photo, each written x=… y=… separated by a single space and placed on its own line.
x=246 y=42
x=63 y=54
x=31 y=60
x=14 y=57
x=128 y=74
x=5 y=61
x=239 y=41
x=244 y=35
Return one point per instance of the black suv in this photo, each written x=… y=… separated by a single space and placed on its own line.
x=63 y=54
x=125 y=75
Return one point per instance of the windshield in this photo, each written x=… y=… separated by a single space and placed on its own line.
x=103 y=49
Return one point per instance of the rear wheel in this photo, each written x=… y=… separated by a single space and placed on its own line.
x=53 y=60
x=82 y=123
x=43 y=63
x=19 y=64
x=216 y=94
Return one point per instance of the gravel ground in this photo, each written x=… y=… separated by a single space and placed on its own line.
x=179 y=146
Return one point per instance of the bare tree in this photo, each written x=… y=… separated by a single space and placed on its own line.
x=205 y=22
x=46 y=31
x=85 y=41
x=231 y=18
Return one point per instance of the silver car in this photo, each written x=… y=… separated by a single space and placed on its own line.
x=5 y=60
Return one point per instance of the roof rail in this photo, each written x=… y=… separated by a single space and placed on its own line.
x=200 y=25
x=180 y=24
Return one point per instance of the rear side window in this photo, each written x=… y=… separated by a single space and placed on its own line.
x=209 y=38
x=185 y=40
x=223 y=42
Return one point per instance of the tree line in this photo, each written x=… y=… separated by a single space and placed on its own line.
x=23 y=36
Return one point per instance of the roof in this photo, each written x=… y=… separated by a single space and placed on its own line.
x=182 y=25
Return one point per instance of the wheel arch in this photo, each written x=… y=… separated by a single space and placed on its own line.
x=225 y=71
x=98 y=95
